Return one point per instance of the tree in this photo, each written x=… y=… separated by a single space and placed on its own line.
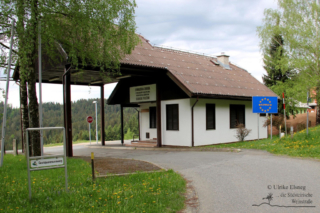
x=273 y=61
x=299 y=25
x=278 y=73
x=95 y=33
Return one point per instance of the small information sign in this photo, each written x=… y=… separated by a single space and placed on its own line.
x=46 y=162
x=144 y=93
x=264 y=104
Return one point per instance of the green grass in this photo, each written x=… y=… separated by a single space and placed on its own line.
x=300 y=146
x=149 y=192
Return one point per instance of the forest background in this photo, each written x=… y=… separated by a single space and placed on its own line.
x=53 y=117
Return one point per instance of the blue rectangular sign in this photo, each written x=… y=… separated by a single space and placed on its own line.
x=264 y=104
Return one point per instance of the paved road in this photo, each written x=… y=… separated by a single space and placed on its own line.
x=233 y=182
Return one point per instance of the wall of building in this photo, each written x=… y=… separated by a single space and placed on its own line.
x=181 y=137
x=223 y=133
x=144 y=122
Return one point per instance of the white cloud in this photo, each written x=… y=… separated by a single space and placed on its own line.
x=207 y=26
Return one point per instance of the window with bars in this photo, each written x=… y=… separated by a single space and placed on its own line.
x=153 y=117
x=211 y=116
x=172 y=111
x=237 y=115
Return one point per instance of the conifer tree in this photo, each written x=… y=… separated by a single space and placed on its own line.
x=300 y=27
x=273 y=59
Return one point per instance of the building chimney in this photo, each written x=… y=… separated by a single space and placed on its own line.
x=223 y=60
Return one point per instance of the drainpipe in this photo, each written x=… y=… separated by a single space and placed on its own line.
x=192 y=122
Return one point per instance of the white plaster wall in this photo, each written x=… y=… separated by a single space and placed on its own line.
x=144 y=123
x=223 y=133
x=181 y=137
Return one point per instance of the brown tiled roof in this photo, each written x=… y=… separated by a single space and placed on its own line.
x=197 y=72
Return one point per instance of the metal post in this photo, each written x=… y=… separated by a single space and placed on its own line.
x=40 y=87
x=258 y=126
x=65 y=158
x=4 y=117
x=271 y=126
x=121 y=116
x=285 y=122
x=307 y=113
x=102 y=135
x=67 y=109
x=96 y=103
x=284 y=113
x=28 y=164
x=90 y=133
x=97 y=122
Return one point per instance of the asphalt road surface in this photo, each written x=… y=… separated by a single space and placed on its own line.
x=234 y=182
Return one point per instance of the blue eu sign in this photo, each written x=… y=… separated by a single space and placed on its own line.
x=263 y=104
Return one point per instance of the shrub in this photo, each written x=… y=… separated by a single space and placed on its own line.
x=276 y=121
x=242 y=132
x=300 y=126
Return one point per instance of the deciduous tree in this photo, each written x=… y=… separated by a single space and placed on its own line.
x=299 y=24
x=90 y=32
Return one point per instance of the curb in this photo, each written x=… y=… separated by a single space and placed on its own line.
x=172 y=149
x=125 y=174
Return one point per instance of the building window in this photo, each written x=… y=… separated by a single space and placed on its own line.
x=153 y=117
x=237 y=115
x=211 y=116
x=263 y=114
x=172 y=111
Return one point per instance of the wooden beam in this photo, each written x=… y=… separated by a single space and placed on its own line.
x=158 y=112
x=122 y=135
x=102 y=115
x=67 y=113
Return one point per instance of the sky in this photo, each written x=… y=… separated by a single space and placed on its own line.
x=203 y=26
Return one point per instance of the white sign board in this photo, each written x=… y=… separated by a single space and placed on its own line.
x=144 y=93
x=47 y=162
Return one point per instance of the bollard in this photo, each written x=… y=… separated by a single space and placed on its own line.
x=291 y=131
x=15 y=147
x=92 y=165
x=280 y=132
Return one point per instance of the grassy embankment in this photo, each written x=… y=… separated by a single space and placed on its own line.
x=152 y=192
x=300 y=146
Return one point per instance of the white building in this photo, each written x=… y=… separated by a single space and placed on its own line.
x=187 y=99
